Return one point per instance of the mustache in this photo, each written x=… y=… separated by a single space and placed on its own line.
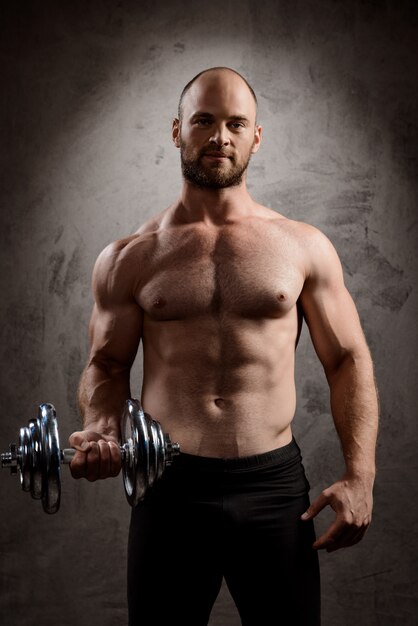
x=216 y=153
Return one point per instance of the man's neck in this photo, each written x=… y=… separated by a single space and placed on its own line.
x=214 y=206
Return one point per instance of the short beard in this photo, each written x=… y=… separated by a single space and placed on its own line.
x=195 y=173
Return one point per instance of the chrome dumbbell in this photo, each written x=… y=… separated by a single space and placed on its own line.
x=37 y=458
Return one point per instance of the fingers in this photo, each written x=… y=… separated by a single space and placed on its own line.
x=317 y=505
x=81 y=441
x=341 y=534
x=347 y=538
x=96 y=458
x=115 y=459
x=352 y=503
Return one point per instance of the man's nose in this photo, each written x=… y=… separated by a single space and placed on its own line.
x=220 y=135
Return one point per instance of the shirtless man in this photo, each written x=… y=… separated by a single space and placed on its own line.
x=216 y=287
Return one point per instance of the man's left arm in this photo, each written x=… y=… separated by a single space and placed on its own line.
x=340 y=344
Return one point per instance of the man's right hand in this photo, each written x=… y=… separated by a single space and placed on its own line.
x=98 y=456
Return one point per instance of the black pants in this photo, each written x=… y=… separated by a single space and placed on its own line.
x=234 y=518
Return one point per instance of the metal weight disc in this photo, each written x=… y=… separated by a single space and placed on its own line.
x=161 y=451
x=35 y=458
x=136 y=443
x=154 y=445
x=50 y=450
x=24 y=453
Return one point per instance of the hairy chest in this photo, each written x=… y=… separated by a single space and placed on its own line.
x=233 y=271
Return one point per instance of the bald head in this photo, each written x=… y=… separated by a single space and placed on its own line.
x=213 y=77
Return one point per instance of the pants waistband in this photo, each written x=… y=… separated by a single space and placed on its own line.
x=272 y=457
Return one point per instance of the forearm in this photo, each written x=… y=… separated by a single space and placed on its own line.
x=355 y=410
x=103 y=390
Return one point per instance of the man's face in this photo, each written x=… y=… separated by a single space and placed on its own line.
x=217 y=134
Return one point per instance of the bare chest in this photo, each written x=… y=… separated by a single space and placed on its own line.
x=229 y=270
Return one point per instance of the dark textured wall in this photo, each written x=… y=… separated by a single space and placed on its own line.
x=89 y=90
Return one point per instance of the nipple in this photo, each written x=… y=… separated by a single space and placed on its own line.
x=158 y=303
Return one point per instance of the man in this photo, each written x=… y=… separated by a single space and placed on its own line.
x=215 y=286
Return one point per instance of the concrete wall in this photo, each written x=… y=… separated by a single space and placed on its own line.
x=89 y=90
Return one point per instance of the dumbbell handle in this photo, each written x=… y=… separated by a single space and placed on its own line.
x=67 y=454
x=9 y=459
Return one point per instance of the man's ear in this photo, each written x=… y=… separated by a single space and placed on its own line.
x=257 y=139
x=175 y=132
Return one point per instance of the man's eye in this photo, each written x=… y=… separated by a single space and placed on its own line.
x=237 y=125
x=203 y=122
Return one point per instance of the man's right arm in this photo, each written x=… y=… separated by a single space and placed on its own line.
x=115 y=332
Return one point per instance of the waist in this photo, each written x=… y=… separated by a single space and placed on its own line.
x=235 y=425
x=275 y=457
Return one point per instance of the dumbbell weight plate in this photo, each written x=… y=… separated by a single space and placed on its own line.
x=51 y=478
x=136 y=444
x=160 y=456
x=24 y=451
x=154 y=447
x=34 y=427
x=163 y=457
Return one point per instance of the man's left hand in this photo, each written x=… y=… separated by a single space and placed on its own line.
x=352 y=500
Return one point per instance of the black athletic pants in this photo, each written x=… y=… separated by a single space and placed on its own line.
x=238 y=518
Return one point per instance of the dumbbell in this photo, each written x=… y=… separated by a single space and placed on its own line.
x=145 y=453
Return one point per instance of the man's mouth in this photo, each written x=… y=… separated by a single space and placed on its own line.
x=216 y=155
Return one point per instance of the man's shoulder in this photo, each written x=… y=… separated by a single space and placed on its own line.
x=121 y=262
x=315 y=250
x=303 y=231
x=308 y=233
x=126 y=249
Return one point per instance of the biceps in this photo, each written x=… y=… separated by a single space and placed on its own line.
x=115 y=334
x=333 y=323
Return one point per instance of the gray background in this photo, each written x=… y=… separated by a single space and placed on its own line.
x=89 y=90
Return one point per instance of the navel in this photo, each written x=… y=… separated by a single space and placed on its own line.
x=281 y=297
x=220 y=402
